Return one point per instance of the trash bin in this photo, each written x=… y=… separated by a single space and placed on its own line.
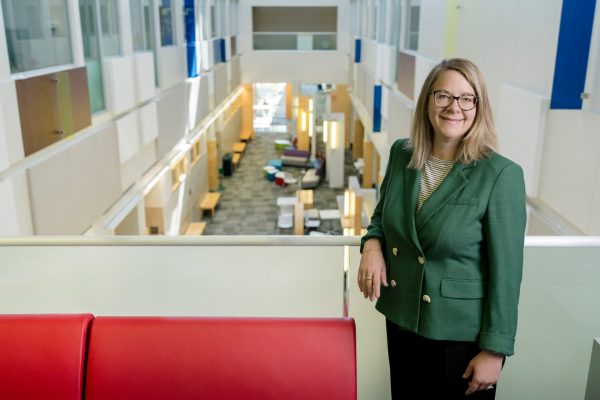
x=227 y=164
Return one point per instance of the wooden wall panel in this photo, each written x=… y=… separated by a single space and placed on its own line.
x=341 y=103
x=213 y=165
x=52 y=107
x=359 y=137
x=367 y=178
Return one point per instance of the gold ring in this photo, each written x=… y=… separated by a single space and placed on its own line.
x=369 y=278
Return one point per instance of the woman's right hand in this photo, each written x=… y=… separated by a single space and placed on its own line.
x=371 y=272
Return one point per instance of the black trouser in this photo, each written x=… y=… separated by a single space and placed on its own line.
x=430 y=369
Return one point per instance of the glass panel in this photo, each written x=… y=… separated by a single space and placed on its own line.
x=37 y=35
x=165 y=10
x=396 y=18
x=373 y=25
x=295 y=41
x=382 y=21
x=275 y=41
x=204 y=19
x=91 y=50
x=325 y=41
x=412 y=26
x=137 y=25
x=110 y=28
x=233 y=46
x=213 y=22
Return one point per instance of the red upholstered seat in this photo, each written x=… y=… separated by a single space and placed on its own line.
x=221 y=358
x=42 y=356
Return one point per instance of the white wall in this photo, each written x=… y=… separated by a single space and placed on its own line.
x=119 y=84
x=172 y=66
x=514 y=41
x=570 y=176
x=14 y=207
x=279 y=66
x=71 y=188
x=172 y=118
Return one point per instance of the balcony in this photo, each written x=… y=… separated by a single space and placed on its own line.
x=303 y=277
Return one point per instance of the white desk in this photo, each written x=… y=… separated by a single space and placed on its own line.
x=286 y=201
x=329 y=214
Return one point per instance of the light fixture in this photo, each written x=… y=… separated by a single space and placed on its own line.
x=346 y=203
x=311 y=120
x=303 y=121
x=334 y=135
x=310 y=105
x=325 y=127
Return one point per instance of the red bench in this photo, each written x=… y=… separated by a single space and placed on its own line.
x=181 y=358
x=43 y=356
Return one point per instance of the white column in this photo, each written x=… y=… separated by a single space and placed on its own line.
x=75 y=32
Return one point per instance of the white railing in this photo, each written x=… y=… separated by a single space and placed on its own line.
x=303 y=276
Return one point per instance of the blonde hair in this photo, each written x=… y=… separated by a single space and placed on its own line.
x=477 y=142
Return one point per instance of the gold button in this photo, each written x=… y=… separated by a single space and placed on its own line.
x=395 y=251
x=426 y=299
x=421 y=260
x=393 y=283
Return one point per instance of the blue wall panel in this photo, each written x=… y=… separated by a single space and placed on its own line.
x=223 y=53
x=190 y=38
x=572 y=54
x=377 y=109
x=357 y=49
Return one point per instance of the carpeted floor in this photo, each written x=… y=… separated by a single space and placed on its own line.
x=248 y=201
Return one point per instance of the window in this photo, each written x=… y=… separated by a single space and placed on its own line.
x=382 y=22
x=234 y=17
x=109 y=20
x=141 y=25
x=412 y=24
x=396 y=18
x=178 y=171
x=167 y=23
x=213 y=22
x=196 y=151
x=37 y=34
x=373 y=21
x=91 y=51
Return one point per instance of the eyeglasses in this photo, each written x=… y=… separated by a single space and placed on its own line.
x=466 y=102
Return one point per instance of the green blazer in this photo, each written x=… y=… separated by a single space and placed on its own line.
x=454 y=269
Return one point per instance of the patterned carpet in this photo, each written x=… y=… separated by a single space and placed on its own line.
x=248 y=201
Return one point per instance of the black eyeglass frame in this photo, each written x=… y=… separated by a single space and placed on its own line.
x=457 y=98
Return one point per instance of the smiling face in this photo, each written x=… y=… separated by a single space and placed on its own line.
x=450 y=123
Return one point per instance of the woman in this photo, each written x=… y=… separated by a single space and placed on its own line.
x=443 y=254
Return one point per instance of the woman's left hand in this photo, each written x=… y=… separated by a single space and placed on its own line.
x=484 y=370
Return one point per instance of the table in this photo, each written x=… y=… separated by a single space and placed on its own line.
x=329 y=215
x=209 y=202
x=195 y=228
x=236 y=159
x=286 y=201
x=245 y=136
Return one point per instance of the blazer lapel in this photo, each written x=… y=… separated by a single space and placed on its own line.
x=411 y=196
x=454 y=182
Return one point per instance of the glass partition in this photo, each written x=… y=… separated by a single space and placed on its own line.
x=92 y=53
x=109 y=20
x=304 y=41
x=167 y=23
x=37 y=34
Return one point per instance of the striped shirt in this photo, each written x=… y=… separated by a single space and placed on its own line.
x=432 y=176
